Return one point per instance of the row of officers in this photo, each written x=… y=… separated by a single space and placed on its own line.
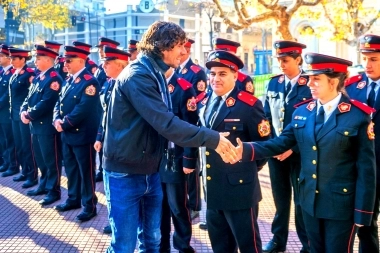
x=334 y=194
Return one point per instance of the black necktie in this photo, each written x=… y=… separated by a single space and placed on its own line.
x=372 y=95
x=178 y=70
x=213 y=112
x=319 y=120
x=288 y=88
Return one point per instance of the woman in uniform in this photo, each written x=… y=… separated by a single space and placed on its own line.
x=336 y=141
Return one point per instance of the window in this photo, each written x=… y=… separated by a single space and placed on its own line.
x=182 y=23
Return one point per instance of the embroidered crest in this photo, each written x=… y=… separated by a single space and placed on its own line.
x=302 y=81
x=264 y=128
x=361 y=85
x=184 y=71
x=90 y=90
x=77 y=80
x=204 y=101
x=310 y=106
x=281 y=79
x=344 y=107
x=170 y=88
x=22 y=72
x=192 y=104
x=42 y=77
x=54 y=86
x=230 y=102
x=249 y=87
x=370 y=131
x=201 y=85
x=93 y=70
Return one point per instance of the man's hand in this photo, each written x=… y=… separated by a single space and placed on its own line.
x=57 y=125
x=284 y=155
x=98 y=146
x=226 y=150
x=23 y=118
x=187 y=170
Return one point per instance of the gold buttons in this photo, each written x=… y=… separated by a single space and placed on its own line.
x=316 y=191
x=234 y=128
x=345 y=190
x=283 y=109
x=75 y=96
x=61 y=112
x=77 y=129
x=314 y=176
x=280 y=130
x=208 y=166
x=241 y=181
x=346 y=133
x=41 y=122
x=281 y=120
x=304 y=99
x=61 y=104
x=296 y=125
x=207 y=153
x=314 y=162
x=314 y=148
x=208 y=178
x=298 y=179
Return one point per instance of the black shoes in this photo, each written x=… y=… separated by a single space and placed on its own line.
x=99 y=177
x=49 y=200
x=86 y=216
x=273 y=247
x=36 y=192
x=107 y=230
x=9 y=173
x=66 y=207
x=19 y=178
x=3 y=168
x=203 y=225
x=29 y=183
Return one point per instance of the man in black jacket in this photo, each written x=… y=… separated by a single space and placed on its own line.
x=139 y=123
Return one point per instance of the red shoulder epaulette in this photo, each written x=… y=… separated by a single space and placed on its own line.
x=201 y=96
x=241 y=76
x=30 y=70
x=247 y=98
x=183 y=83
x=91 y=62
x=62 y=59
x=53 y=74
x=352 y=79
x=87 y=77
x=276 y=76
x=303 y=102
x=195 y=68
x=13 y=71
x=365 y=108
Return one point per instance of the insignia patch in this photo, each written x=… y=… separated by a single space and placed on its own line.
x=230 y=102
x=302 y=81
x=22 y=72
x=201 y=85
x=90 y=90
x=54 y=86
x=192 y=104
x=87 y=77
x=361 y=85
x=249 y=87
x=93 y=70
x=366 y=44
x=281 y=79
x=77 y=80
x=264 y=128
x=42 y=77
x=300 y=117
x=204 y=101
x=344 y=107
x=170 y=88
x=53 y=74
x=184 y=71
x=310 y=106
x=370 y=132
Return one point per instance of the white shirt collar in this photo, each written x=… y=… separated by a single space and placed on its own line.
x=43 y=73
x=370 y=81
x=170 y=77
x=184 y=63
x=78 y=73
x=294 y=80
x=7 y=67
x=330 y=106
x=224 y=97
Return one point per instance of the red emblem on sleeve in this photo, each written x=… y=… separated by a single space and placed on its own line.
x=90 y=90
x=192 y=104
x=54 y=86
x=264 y=128
x=361 y=85
x=370 y=131
x=302 y=81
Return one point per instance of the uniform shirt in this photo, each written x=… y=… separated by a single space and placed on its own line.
x=292 y=81
x=183 y=65
x=369 y=87
x=78 y=73
x=211 y=104
x=330 y=106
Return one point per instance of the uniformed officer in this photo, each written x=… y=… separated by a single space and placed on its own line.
x=37 y=111
x=91 y=66
x=365 y=88
x=115 y=61
x=283 y=92
x=60 y=60
x=19 y=85
x=132 y=49
x=6 y=134
x=77 y=117
x=232 y=191
x=244 y=82
x=336 y=141
x=197 y=77
x=180 y=163
x=100 y=74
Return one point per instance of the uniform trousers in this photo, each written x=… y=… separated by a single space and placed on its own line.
x=194 y=190
x=9 y=151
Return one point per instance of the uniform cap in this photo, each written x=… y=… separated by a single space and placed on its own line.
x=82 y=45
x=286 y=47
x=75 y=52
x=324 y=64
x=369 y=43
x=221 y=58
x=132 y=45
x=44 y=51
x=103 y=41
x=189 y=43
x=52 y=44
x=4 y=49
x=226 y=45
x=114 y=53
x=19 y=52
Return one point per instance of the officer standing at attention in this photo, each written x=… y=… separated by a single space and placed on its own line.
x=19 y=85
x=232 y=191
x=6 y=134
x=244 y=82
x=336 y=142
x=37 y=111
x=91 y=66
x=77 y=117
x=180 y=163
x=365 y=88
x=132 y=49
x=283 y=92
x=60 y=60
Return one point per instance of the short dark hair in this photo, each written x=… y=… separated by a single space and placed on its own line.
x=161 y=36
x=342 y=76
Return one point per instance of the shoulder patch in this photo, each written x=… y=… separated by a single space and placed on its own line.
x=311 y=105
x=13 y=71
x=302 y=81
x=87 y=77
x=303 y=102
x=249 y=87
x=90 y=90
x=54 y=86
x=191 y=104
x=201 y=96
x=370 y=131
x=247 y=98
x=91 y=62
x=183 y=83
x=195 y=68
x=344 y=107
x=53 y=74
x=241 y=76
x=352 y=79
x=30 y=70
x=264 y=128
x=365 y=108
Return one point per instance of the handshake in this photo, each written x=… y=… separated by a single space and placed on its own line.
x=228 y=152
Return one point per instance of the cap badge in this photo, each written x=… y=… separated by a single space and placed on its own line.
x=216 y=59
x=367 y=44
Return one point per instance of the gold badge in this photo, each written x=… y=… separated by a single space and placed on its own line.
x=302 y=81
x=54 y=86
x=77 y=80
x=216 y=59
x=264 y=128
x=370 y=131
x=201 y=85
x=309 y=67
x=361 y=85
x=278 y=51
x=344 y=107
x=310 y=106
x=170 y=88
x=367 y=44
x=192 y=104
x=90 y=90
x=184 y=71
x=249 y=87
x=230 y=102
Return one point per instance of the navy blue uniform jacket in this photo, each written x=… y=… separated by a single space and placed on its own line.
x=195 y=75
x=4 y=95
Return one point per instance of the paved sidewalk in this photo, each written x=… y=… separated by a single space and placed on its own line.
x=26 y=227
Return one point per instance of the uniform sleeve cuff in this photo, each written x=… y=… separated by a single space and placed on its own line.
x=248 y=152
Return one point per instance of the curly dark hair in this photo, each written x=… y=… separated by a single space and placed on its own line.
x=160 y=36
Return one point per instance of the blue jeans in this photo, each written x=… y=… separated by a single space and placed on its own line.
x=134 y=205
